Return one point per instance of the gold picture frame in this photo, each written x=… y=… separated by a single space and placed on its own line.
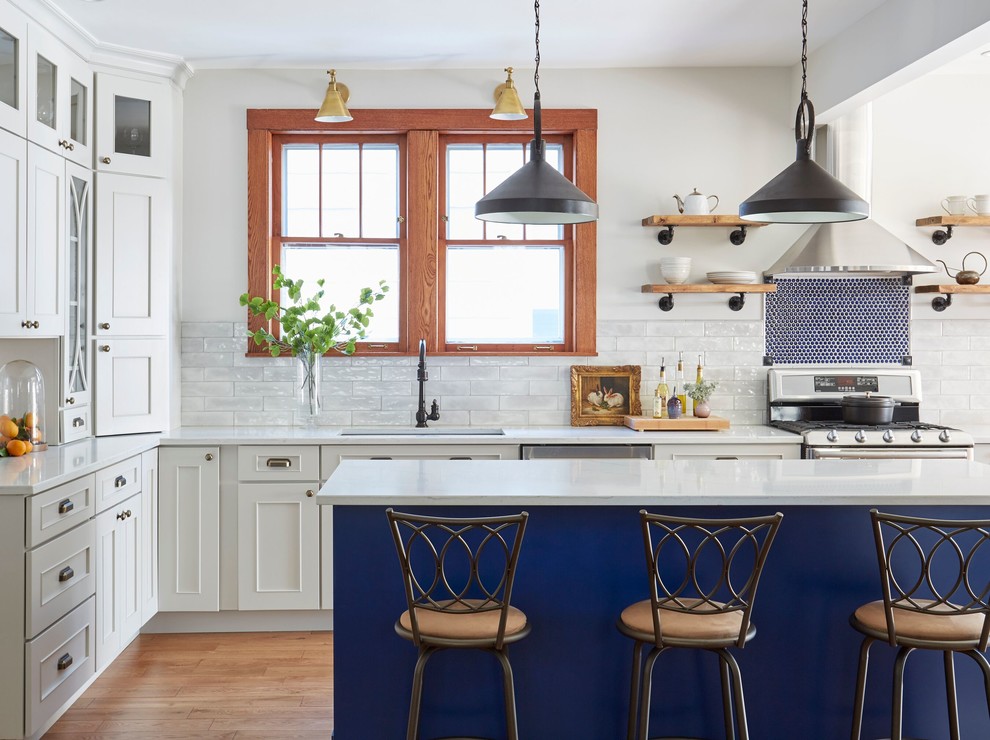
x=601 y=395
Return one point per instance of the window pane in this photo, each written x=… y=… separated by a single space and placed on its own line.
x=301 y=190
x=511 y=295
x=501 y=160
x=8 y=70
x=554 y=157
x=341 y=193
x=380 y=191
x=465 y=187
x=347 y=269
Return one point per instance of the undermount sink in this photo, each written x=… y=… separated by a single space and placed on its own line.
x=414 y=432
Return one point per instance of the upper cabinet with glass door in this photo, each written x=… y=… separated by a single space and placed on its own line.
x=60 y=95
x=132 y=125
x=13 y=60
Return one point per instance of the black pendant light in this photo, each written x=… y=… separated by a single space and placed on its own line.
x=804 y=193
x=536 y=193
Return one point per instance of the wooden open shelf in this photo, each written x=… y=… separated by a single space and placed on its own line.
x=735 y=303
x=667 y=224
x=940 y=303
x=941 y=236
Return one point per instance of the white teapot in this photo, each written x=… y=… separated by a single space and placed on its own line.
x=696 y=204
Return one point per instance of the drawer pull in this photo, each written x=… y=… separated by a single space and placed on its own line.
x=279 y=462
x=310 y=493
x=65 y=574
x=64 y=507
x=64 y=662
x=727 y=457
x=78 y=422
x=119 y=482
x=461 y=457
x=380 y=458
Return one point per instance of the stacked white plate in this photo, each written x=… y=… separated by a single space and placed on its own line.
x=730 y=277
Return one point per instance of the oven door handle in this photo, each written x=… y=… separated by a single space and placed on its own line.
x=901 y=453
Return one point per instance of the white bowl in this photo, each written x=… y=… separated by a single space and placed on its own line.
x=675 y=275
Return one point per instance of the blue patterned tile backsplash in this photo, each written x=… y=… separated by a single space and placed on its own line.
x=838 y=320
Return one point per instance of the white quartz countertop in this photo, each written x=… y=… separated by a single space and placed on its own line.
x=767 y=483
x=520 y=435
x=39 y=471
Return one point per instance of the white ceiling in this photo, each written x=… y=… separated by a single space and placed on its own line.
x=465 y=34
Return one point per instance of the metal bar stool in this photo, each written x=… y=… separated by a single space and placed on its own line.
x=933 y=599
x=458 y=576
x=703 y=578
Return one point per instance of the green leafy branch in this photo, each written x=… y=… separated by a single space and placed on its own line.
x=700 y=392
x=304 y=327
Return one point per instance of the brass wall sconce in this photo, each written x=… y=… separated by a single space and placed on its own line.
x=508 y=107
x=334 y=109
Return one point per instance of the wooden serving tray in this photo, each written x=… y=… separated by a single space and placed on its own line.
x=684 y=424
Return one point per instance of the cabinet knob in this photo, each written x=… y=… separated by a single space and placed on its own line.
x=121 y=515
x=63 y=143
x=209 y=456
x=36 y=325
x=72 y=147
x=70 y=400
x=310 y=493
x=105 y=325
x=105 y=160
x=127 y=513
x=104 y=348
x=25 y=324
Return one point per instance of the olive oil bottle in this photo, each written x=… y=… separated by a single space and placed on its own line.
x=660 y=397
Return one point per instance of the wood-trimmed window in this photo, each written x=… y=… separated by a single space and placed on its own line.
x=436 y=238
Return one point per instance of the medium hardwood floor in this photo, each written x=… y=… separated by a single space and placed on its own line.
x=273 y=685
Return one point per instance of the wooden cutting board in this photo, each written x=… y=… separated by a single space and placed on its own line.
x=683 y=424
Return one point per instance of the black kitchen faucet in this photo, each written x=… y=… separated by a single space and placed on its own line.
x=421 y=375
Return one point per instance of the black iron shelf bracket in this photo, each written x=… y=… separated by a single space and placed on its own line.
x=736 y=302
x=665 y=237
x=940 y=303
x=738 y=236
x=940 y=237
x=667 y=302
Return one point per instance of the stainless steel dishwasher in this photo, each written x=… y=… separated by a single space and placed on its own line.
x=609 y=451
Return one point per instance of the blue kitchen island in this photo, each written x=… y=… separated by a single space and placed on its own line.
x=582 y=562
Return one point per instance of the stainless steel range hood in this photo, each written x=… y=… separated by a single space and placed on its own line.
x=853 y=247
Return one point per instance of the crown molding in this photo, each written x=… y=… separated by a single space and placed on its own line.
x=50 y=16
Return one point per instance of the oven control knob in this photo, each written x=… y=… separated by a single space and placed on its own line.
x=915 y=436
x=944 y=436
x=860 y=436
x=888 y=436
x=832 y=436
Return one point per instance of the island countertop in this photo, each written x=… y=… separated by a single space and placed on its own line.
x=656 y=482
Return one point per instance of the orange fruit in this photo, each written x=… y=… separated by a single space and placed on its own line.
x=29 y=419
x=4 y=418
x=9 y=428
x=28 y=447
x=16 y=447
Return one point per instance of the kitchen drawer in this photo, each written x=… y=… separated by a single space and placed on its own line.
x=76 y=423
x=57 y=664
x=117 y=482
x=59 y=509
x=277 y=464
x=59 y=576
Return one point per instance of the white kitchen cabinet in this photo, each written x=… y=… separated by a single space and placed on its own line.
x=132 y=125
x=13 y=80
x=133 y=234
x=76 y=350
x=13 y=234
x=131 y=386
x=278 y=539
x=744 y=451
x=46 y=208
x=149 y=536
x=189 y=529
x=118 y=578
x=59 y=88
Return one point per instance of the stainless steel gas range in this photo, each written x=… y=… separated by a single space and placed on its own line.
x=808 y=400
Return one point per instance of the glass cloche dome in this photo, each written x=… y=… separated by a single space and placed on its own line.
x=22 y=407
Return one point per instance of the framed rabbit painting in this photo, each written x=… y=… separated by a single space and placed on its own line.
x=603 y=395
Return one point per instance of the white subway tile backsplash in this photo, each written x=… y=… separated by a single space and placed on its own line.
x=221 y=386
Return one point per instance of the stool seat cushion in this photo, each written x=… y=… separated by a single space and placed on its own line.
x=922 y=625
x=457 y=624
x=703 y=624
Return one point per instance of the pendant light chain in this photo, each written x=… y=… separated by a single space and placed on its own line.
x=537 y=106
x=536 y=73
x=804 y=51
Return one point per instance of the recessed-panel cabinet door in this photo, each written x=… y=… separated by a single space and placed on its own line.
x=131 y=386
x=107 y=593
x=13 y=77
x=133 y=125
x=133 y=232
x=149 y=536
x=189 y=529
x=46 y=240
x=13 y=234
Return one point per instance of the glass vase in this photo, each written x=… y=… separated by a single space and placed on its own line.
x=308 y=386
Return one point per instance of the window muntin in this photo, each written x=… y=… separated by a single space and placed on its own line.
x=499 y=294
